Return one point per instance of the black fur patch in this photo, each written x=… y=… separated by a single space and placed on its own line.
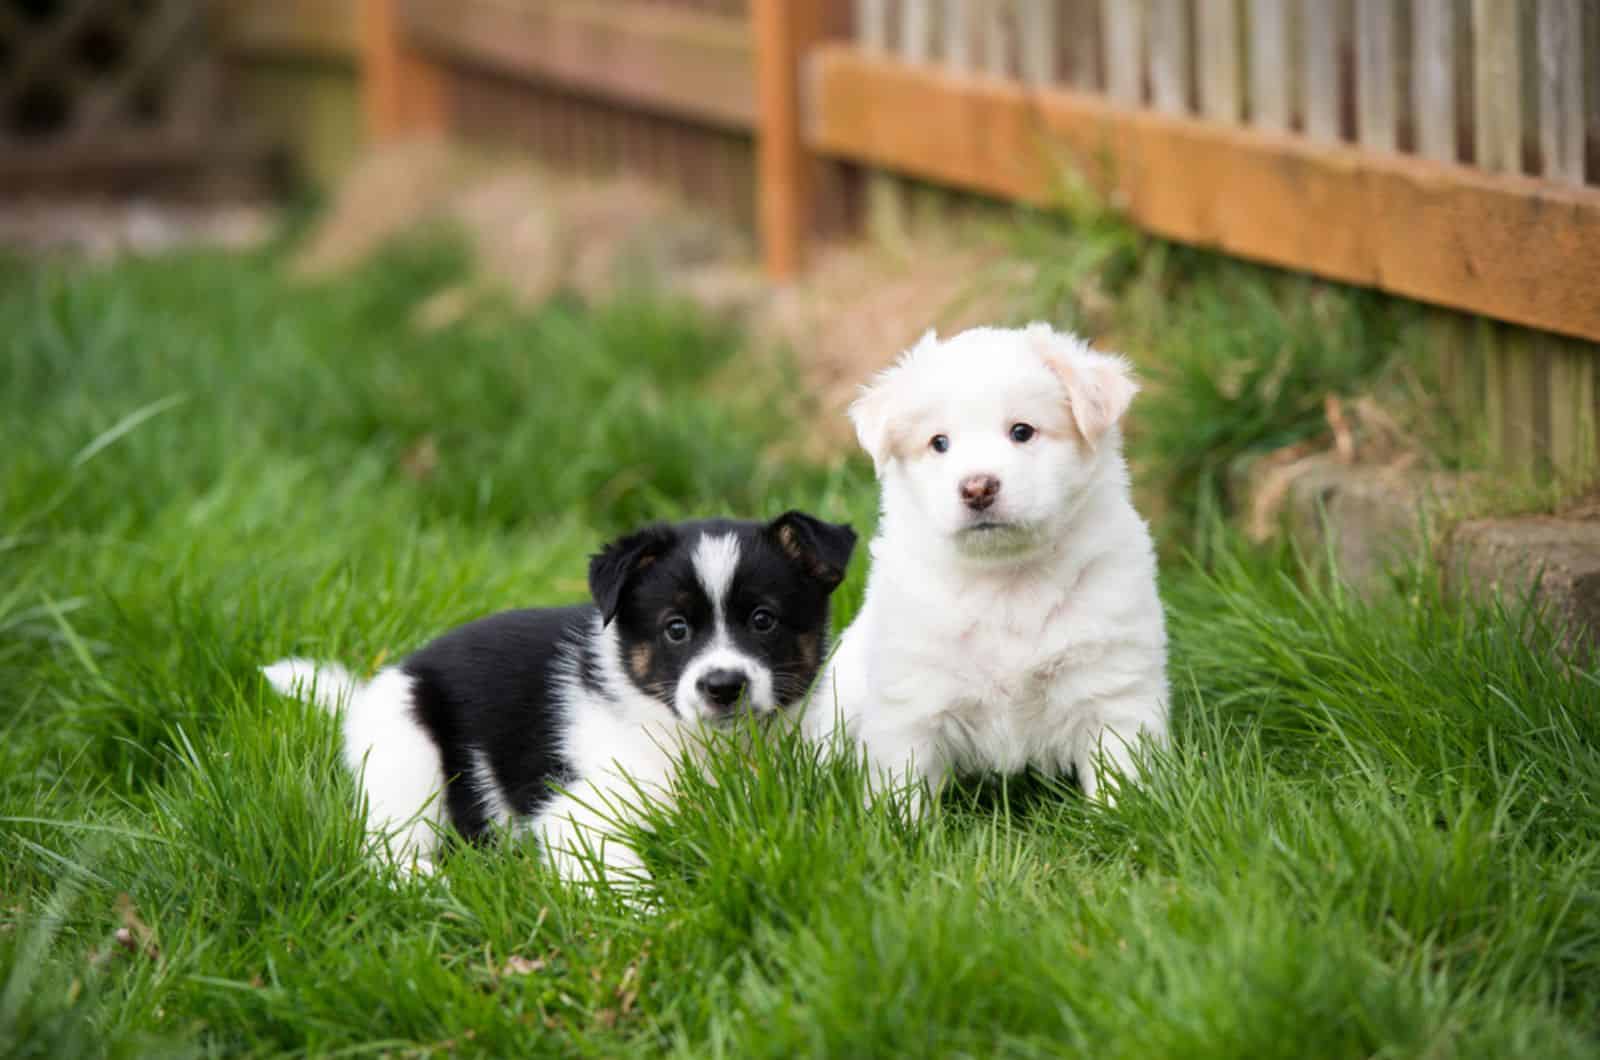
x=488 y=685
x=497 y=689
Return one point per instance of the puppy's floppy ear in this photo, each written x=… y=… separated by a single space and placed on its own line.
x=822 y=549
x=870 y=415
x=1099 y=386
x=873 y=413
x=614 y=566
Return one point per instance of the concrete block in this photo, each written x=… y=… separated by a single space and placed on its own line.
x=1369 y=519
x=1556 y=559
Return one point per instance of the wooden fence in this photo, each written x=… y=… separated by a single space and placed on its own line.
x=1381 y=142
x=661 y=88
x=1442 y=150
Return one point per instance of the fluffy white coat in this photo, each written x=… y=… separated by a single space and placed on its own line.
x=1024 y=633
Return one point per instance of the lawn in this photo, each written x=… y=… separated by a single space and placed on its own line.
x=1377 y=832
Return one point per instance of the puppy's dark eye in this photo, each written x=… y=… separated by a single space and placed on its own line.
x=762 y=620
x=939 y=443
x=676 y=630
x=1022 y=432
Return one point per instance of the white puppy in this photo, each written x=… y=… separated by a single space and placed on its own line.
x=1011 y=616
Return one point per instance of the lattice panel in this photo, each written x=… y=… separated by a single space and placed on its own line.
x=84 y=71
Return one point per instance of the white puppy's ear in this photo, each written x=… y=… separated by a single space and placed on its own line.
x=869 y=413
x=1100 y=386
x=874 y=412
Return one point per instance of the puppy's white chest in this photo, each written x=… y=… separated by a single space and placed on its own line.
x=988 y=689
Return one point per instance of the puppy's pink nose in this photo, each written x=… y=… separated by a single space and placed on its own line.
x=979 y=491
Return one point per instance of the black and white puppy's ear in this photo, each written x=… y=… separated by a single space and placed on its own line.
x=614 y=566
x=822 y=549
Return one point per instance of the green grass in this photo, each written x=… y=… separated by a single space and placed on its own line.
x=1376 y=834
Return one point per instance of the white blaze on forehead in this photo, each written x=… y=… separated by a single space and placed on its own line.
x=716 y=556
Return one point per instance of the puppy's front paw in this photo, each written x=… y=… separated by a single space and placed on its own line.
x=909 y=797
x=1097 y=787
x=1111 y=761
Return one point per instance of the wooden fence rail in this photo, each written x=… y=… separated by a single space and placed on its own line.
x=1515 y=248
x=1348 y=155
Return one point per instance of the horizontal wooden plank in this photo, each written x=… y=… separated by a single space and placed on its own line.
x=316 y=30
x=173 y=162
x=694 y=64
x=1510 y=247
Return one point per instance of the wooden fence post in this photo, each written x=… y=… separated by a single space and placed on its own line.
x=787 y=179
x=402 y=93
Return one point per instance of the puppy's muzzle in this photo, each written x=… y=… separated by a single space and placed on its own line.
x=979 y=491
x=723 y=687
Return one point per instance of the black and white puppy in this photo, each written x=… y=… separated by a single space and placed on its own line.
x=553 y=720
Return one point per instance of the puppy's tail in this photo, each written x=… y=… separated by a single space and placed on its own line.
x=326 y=684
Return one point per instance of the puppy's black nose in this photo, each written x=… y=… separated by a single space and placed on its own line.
x=723 y=687
x=979 y=491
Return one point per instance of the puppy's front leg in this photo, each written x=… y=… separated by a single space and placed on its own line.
x=577 y=838
x=905 y=767
x=1109 y=752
